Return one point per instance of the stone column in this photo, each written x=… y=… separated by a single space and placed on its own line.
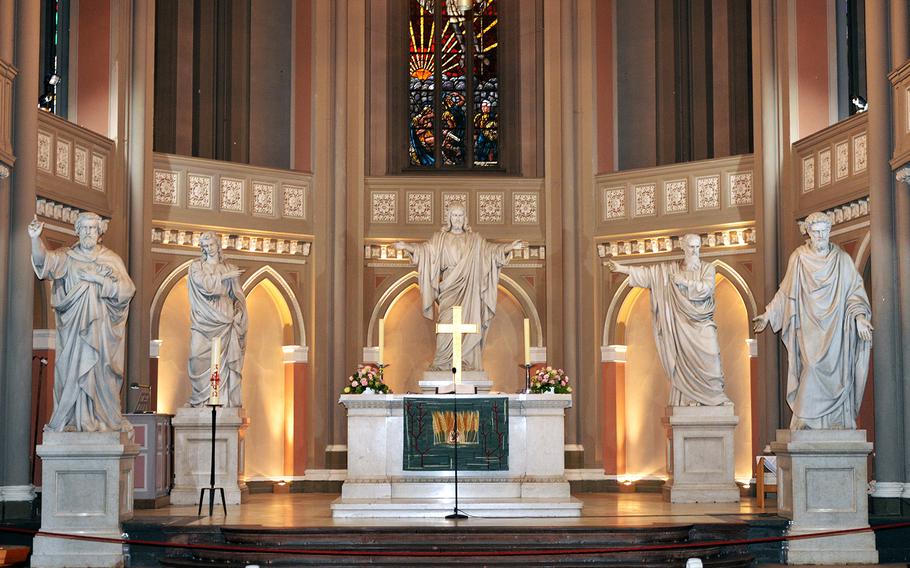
x=154 y=355
x=15 y=404
x=138 y=164
x=755 y=392
x=613 y=371
x=900 y=52
x=889 y=455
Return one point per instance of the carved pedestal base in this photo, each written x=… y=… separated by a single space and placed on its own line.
x=700 y=454
x=87 y=489
x=193 y=451
x=822 y=486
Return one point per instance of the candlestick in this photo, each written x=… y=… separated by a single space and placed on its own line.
x=527 y=342
x=381 y=341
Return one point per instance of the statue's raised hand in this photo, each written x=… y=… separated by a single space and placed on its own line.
x=35 y=228
x=614 y=266
x=231 y=274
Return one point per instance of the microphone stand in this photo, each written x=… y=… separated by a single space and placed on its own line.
x=456 y=513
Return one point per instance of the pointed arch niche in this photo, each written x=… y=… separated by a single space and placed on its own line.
x=410 y=338
x=646 y=388
x=274 y=322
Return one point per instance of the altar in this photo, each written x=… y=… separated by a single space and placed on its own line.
x=526 y=479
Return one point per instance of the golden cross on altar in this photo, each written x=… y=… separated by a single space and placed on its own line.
x=456 y=328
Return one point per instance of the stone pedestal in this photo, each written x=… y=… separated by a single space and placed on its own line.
x=700 y=454
x=822 y=486
x=193 y=453
x=87 y=489
x=435 y=379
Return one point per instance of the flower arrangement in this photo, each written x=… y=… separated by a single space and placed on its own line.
x=366 y=378
x=548 y=379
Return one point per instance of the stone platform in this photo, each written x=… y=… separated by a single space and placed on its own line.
x=701 y=454
x=87 y=489
x=822 y=486
x=193 y=451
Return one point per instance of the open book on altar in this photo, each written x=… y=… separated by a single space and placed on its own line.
x=457 y=388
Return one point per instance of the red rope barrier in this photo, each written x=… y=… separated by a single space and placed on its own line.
x=460 y=553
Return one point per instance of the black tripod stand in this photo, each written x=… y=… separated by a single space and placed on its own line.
x=211 y=488
x=456 y=512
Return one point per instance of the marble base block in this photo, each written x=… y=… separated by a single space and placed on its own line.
x=87 y=489
x=193 y=454
x=700 y=455
x=435 y=379
x=822 y=486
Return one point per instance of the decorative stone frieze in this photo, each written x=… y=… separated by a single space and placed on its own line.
x=235 y=241
x=663 y=244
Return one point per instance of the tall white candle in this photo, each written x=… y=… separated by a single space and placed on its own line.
x=527 y=341
x=381 y=341
x=216 y=352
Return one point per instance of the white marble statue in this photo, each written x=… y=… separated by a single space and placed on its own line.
x=91 y=300
x=682 y=311
x=217 y=309
x=822 y=312
x=458 y=267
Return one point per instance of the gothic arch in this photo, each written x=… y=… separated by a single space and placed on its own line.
x=613 y=335
x=264 y=273
x=398 y=288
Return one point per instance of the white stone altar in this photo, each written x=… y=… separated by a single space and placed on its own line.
x=535 y=484
x=700 y=454
x=87 y=489
x=822 y=486
x=193 y=452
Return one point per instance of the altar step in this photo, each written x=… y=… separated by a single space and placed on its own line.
x=484 y=539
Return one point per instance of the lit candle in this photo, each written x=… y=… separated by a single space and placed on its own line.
x=381 y=340
x=527 y=342
x=216 y=353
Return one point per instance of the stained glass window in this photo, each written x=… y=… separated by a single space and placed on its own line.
x=453 y=90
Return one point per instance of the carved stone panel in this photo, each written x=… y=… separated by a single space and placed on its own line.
x=44 y=151
x=199 y=194
x=740 y=189
x=294 y=201
x=384 y=207
x=614 y=203
x=263 y=198
x=645 y=200
x=489 y=208
x=98 y=172
x=707 y=192
x=420 y=207
x=824 y=167
x=859 y=153
x=842 y=160
x=64 y=148
x=80 y=165
x=808 y=173
x=232 y=195
x=676 y=196
x=525 y=208
x=166 y=187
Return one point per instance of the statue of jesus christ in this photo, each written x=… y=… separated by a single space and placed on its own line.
x=458 y=267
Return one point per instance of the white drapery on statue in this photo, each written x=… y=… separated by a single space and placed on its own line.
x=684 y=330
x=217 y=309
x=460 y=269
x=91 y=329
x=815 y=310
